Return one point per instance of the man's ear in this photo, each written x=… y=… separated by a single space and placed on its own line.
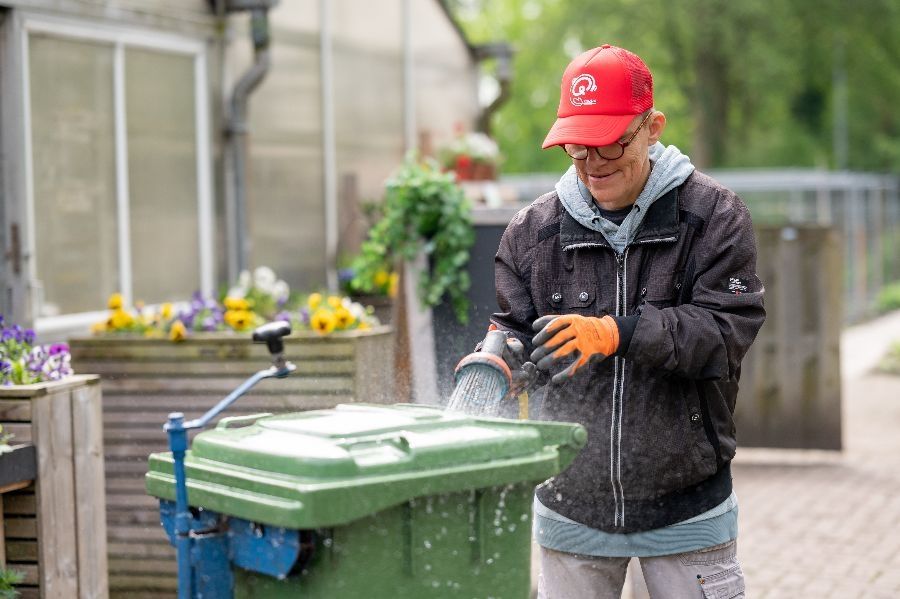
x=656 y=126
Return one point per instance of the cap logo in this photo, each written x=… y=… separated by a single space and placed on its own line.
x=581 y=85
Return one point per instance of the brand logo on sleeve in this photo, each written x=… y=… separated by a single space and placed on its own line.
x=737 y=286
x=582 y=85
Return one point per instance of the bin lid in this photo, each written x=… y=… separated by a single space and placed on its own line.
x=328 y=467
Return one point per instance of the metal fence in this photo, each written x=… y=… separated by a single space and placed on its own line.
x=865 y=208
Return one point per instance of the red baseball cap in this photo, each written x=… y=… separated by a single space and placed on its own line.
x=601 y=92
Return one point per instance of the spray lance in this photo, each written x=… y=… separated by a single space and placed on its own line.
x=491 y=374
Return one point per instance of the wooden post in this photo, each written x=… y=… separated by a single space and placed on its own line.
x=790 y=391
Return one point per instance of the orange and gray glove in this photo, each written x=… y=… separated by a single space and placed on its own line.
x=587 y=337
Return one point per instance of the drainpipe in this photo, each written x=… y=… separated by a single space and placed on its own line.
x=503 y=53
x=236 y=131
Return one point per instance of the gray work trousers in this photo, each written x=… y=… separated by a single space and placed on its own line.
x=712 y=573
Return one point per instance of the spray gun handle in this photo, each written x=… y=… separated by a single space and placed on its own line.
x=272 y=335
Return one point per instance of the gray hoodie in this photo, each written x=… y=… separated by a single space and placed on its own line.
x=670 y=168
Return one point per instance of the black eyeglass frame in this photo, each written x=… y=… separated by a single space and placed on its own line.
x=621 y=145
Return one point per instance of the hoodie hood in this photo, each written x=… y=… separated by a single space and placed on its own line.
x=669 y=169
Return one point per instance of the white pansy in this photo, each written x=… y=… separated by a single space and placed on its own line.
x=236 y=292
x=244 y=280
x=264 y=278
x=281 y=291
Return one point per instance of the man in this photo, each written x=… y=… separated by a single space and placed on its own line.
x=634 y=284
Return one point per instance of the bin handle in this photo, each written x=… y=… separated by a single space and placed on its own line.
x=225 y=423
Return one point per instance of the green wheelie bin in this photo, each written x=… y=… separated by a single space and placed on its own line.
x=403 y=501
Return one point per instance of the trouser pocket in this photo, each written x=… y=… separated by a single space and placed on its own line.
x=718 y=572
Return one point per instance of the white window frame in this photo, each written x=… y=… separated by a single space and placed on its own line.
x=120 y=38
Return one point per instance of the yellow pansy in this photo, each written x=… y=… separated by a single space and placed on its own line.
x=394 y=285
x=121 y=319
x=239 y=319
x=343 y=318
x=381 y=278
x=166 y=311
x=98 y=327
x=334 y=301
x=322 y=321
x=236 y=303
x=364 y=326
x=178 y=331
x=115 y=301
x=314 y=301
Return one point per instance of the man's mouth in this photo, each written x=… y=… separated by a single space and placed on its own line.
x=601 y=178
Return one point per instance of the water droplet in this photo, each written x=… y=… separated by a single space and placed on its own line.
x=427 y=544
x=428 y=567
x=327 y=542
x=559 y=496
x=524 y=517
x=435 y=583
x=511 y=528
x=489 y=561
x=498 y=531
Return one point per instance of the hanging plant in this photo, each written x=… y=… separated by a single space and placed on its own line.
x=424 y=211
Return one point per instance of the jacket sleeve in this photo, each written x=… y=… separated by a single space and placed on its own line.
x=708 y=337
x=511 y=279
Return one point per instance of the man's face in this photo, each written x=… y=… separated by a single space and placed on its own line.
x=615 y=184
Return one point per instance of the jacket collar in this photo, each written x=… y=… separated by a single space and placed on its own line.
x=660 y=224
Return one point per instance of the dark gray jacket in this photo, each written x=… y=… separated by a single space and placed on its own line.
x=688 y=302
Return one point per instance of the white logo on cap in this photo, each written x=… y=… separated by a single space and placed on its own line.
x=581 y=85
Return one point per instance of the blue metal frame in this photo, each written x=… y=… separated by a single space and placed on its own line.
x=203 y=561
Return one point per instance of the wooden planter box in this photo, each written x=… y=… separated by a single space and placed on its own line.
x=55 y=529
x=146 y=379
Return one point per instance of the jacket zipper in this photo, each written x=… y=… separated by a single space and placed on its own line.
x=615 y=436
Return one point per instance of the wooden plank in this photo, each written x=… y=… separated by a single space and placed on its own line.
x=29 y=592
x=55 y=495
x=22 y=551
x=118 y=407
x=15 y=410
x=30 y=572
x=136 y=533
x=224 y=368
x=41 y=389
x=21 y=528
x=90 y=498
x=222 y=386
x=136 y=550
x=21 y=432
x=20 y=503
x=215 y=351
x=118 y=584
x=145 y=565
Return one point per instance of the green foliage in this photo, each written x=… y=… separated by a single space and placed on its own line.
x=743 y=84
x=424 y=211
x=888 y=299
x=9 y=578
x=891 y=362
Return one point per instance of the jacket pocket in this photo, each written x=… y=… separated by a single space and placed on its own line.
x=573 y=298
x=662 y=290
x=667 y=447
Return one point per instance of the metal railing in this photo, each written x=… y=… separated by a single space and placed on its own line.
x=864 y=207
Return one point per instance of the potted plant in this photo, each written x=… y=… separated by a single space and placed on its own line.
x=472 y=156
x=424 y=211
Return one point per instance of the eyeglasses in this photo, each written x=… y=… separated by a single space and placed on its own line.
x=613 y=151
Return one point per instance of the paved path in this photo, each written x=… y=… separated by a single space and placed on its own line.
x=825 y=524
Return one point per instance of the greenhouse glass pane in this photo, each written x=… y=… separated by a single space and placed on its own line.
x=73 y=156
x=162 y=175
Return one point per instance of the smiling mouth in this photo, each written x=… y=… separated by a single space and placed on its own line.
x=601 y=178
